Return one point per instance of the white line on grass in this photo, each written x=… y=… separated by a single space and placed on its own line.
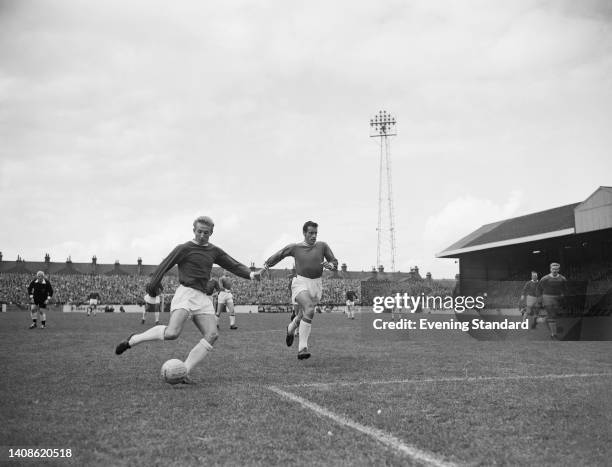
x=458 y=379
x=418 y=455
x=260 y=332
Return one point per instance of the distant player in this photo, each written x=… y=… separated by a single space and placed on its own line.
x=226 y=299
x=529 y=299
x=40 y=291
x=94 y=299
x=152 y=305
x=212 y=290
x=351 y=297
x=195 y=260
x=307 y=287
x=552 y=289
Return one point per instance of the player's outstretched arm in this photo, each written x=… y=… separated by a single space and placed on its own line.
x=279 y=256
x=235 y=267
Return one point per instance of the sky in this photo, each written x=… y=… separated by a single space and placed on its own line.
x=120 y=122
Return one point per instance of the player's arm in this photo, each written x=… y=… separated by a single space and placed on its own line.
x=330 y=260
x=278 y=257
x=524 y=292
x=564 y=287
x=540 y=290
x=170 y=260
x=235 y=267
x=31 y=290
x=49 y=291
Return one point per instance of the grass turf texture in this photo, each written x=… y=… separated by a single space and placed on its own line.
x=64 y=387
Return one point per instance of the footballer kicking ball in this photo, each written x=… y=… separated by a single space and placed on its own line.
x=173 y=371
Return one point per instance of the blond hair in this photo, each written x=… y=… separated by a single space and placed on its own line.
x=204 y=220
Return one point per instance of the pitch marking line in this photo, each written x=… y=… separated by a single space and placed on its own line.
x=458 y=379
x=418 y=455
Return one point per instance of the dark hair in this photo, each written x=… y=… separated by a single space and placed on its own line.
x=309 y=224
x=534 y=272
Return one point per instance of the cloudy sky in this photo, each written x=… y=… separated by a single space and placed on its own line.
x=122 y=121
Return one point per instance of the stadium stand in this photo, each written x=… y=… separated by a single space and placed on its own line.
x=497 y=258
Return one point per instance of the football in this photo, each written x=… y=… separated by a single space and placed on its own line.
x=173 y=371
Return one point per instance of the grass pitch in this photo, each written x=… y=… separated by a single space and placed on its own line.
x=437 y=398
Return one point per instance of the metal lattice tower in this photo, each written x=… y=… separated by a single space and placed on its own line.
x=383 y=126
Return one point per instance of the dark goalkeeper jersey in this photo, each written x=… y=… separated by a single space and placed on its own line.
x=195 y=263
x=550 y=285
x=531 y=288
x=40 y=291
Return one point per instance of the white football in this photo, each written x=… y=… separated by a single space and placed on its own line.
x=173 y=371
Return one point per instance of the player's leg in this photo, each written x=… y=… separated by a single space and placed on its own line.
x=215 y=300
x=93 y=310
x=528 y=313
x=533 y=310
x=33 y=315
x=144 y=315
x=307 y=303
x=221 y=308
x=537 y=308
x=157 y=317
x=551 y=318
x=229 y=303
x=297 y=315
x=42 y=316
x=157 y=333
x=207 y=324
x=294 y=325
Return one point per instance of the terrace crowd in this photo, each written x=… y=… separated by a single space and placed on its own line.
x=127 y=289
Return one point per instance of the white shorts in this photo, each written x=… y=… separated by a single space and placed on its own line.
x=350 y=303
x=152 y=300
x=313 y=286
x=152 y=304
x=225 y=297
x=93 y=301
x=192 y=300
